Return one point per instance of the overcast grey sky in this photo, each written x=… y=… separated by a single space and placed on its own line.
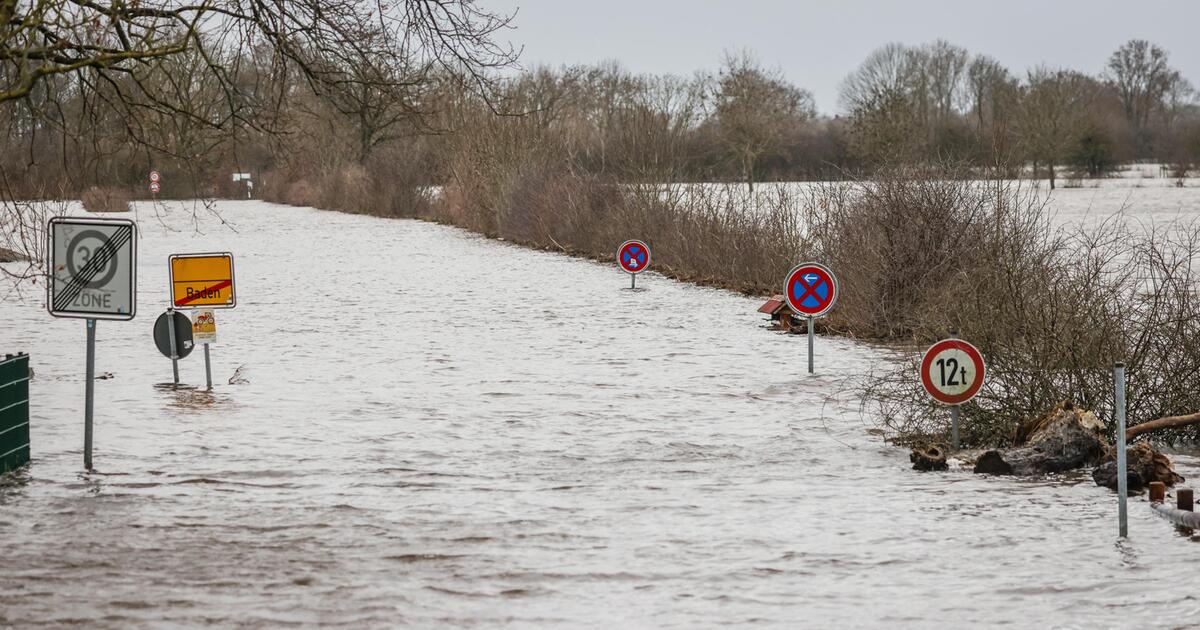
x=817 y=43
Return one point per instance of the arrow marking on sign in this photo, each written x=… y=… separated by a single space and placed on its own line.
x=202 y=292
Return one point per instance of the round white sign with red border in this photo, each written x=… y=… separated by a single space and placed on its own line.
x=810 y=289
x=154 y=176
x=154 y=187
x=952 y=371
x=633 y=256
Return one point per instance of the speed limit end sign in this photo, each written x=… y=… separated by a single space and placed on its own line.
x=952 y=371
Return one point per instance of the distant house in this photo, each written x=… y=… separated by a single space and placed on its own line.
x=782 y=316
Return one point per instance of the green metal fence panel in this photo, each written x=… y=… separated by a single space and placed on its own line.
x=14 y=412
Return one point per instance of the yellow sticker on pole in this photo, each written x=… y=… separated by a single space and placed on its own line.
x=204 y=326
x=202 y=280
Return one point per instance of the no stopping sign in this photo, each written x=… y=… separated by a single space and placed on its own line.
x=952 y=371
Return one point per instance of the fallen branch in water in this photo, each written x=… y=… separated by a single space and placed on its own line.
x=1169 y=422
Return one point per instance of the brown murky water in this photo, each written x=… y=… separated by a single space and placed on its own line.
x=442 y=431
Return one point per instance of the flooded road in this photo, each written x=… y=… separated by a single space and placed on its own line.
x=438 y=430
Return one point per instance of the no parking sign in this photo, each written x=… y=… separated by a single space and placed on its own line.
x=634 y=257
x=810 y=289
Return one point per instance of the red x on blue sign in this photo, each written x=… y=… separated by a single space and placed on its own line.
x=810 y=289
x=633 y=256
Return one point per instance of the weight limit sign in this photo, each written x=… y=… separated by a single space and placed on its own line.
x=952 y=371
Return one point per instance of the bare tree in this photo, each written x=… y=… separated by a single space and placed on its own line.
x=755 y=108
x=884 y=75
x=993 y=94
x=1053 y=111
x=1143 y=79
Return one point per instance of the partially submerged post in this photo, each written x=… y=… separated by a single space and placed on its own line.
x=633 y=256
x=173 y=344
x=1183 y=499
x=93 y=266
x=204 y=281
x=952 y=372
x=810 y=289
x=1122 y=472
x=173 y=338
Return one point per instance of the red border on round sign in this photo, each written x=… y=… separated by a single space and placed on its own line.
x=811 y=267
x=976 y=358
x=621 y=250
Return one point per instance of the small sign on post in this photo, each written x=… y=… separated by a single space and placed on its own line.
x=952 y=372
x=634 y=257
x=93 y=276
x=204 y=330
x=811 y=290
x=204 y=326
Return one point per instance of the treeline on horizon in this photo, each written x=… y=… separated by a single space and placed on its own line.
x=933 y=103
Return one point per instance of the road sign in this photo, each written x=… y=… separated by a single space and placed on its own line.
x=93 y=268
x=204 y=326
x=202 y=280
x=183 y=335
x=810 y=289
x=154 y=177
x=952 y=371
x=633 y=256
x=154 y=187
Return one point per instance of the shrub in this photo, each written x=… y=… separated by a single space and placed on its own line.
x=105 y=199
x=1051 y=309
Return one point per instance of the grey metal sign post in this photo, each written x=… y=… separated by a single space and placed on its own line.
x=810 y=289
x=174 y=354
x=173 y=338
x=93 y=276
x=1122 y=469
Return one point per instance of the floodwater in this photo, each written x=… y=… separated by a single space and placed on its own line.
x=436 y=430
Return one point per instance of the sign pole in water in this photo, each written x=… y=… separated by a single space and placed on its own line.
x=173 y=345
x=810 y=290
x=634 y=257
x=204 y=330
x=207 y=369
x=173 y=338
x=90 y=394
x=952 y=372
x=810 y=344
x=93 y=276
x=1122 y=464
x=203 y=281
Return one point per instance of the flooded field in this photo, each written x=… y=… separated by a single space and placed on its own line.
x=437 y=430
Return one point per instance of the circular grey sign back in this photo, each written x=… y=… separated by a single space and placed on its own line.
x=183 y=335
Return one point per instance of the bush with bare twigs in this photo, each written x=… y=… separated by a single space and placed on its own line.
x=105 y=199
x=1051 y=309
